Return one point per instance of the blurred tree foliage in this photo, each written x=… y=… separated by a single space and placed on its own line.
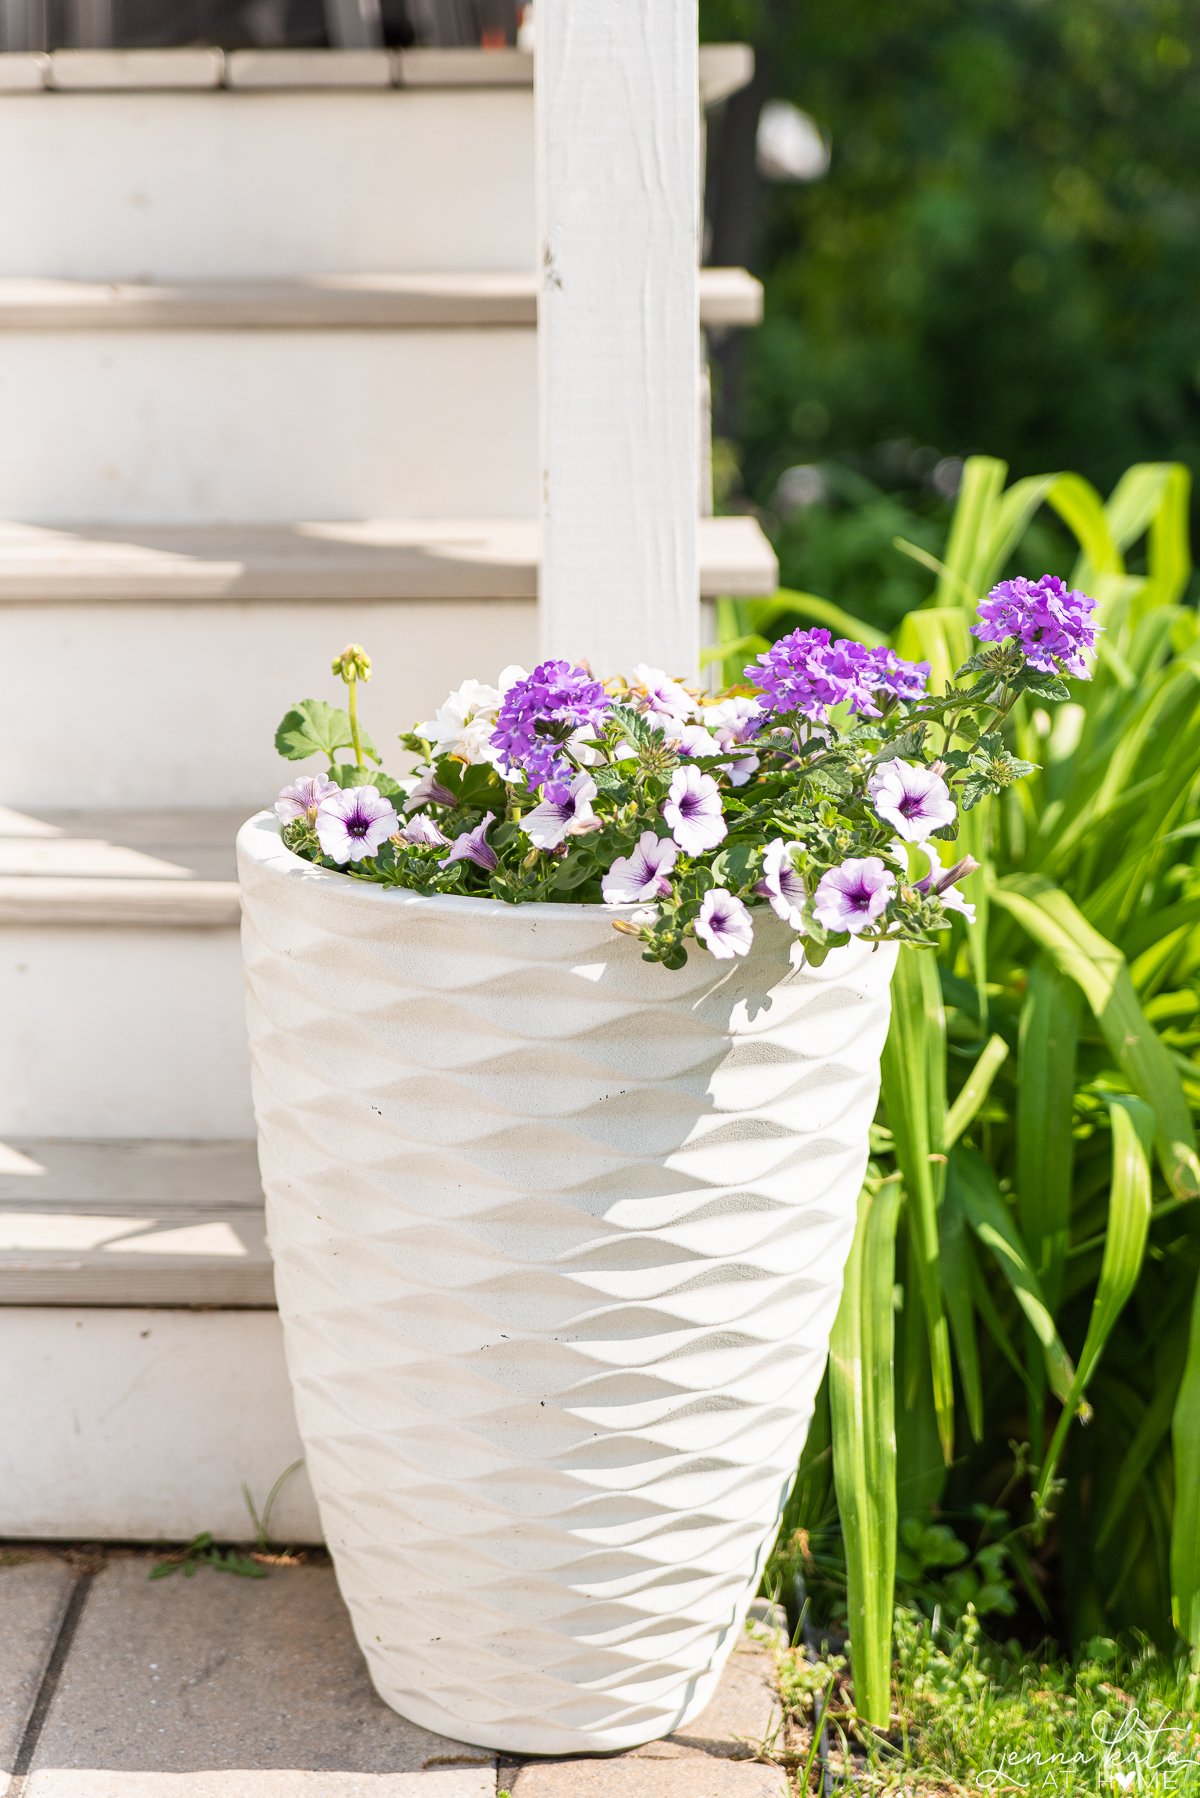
x=1005 y=254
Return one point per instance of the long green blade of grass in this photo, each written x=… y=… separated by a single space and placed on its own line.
x=862 y=1403
x=1057 y=925
x=1185 y=1529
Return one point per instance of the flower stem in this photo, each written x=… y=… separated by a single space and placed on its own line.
x=352 y=684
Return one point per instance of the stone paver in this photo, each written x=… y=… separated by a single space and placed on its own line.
x=711 y=1758
x=220 y=1687
x=33 y=1597
x=636 y=1778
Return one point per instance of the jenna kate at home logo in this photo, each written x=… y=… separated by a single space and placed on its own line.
x=1128 y=1753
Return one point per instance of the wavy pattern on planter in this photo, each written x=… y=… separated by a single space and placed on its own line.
x=559 y=1238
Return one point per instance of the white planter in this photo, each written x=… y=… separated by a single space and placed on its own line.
x=559 y=1238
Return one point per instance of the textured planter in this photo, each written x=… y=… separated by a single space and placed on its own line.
x=559 y=1238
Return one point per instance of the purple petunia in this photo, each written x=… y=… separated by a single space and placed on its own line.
x=642 y=874
x=1051 y=622
x=724 y=925
x=303 y=798
x=693 y=811
x=473 y=846
x=808 y=672
x=354 y=823
x=913 y=800
x=421 y=831
x=428 y=791
x=548 y=823
x=851 y=896
x=780 y=883
x=538 y=714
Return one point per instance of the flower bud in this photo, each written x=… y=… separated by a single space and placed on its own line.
x=353 y=664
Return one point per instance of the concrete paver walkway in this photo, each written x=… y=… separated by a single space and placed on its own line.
x=116 y=1686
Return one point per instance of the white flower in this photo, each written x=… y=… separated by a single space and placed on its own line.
x=693 y=811
x=642 y=874
x=780 y=883
x=303 y=797
x=464 y=723
x=913 y=800
x=662 y=698
x=724 y=925
x=548 y=823
x=691 y=739
x=355 y=823
x=735 y=721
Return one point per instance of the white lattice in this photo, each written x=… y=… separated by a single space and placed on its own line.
x=559 y=1237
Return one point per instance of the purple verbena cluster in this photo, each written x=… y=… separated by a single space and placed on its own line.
x=539 y=714
x=808 y=672
x=1051 y=622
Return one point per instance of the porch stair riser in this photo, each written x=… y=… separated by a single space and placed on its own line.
x=268 y=371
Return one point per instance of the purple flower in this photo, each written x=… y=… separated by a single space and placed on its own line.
x=548 y=823
x=538 y=714
x=914 y=800
x=693 y=811
x=780 y=883
x=423 y=832
x=808 y=672
x=724 y=925
x=851 y=896
x=904 y=680
x=428 y=791
x=473 y=846
x=1051 y=622
x=354 y=823
x=942 y=882
x=641 y=875
x=303 y=797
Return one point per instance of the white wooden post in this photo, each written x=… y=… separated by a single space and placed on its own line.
x=618 y=135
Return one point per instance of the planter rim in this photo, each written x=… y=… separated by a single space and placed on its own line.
x=260 y=839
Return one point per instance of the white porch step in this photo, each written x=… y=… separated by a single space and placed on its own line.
x=337 y=398
x=132 y=1223
x=728 y=297
x=280 y=174
x=248 y=424
x=120 y=977
x=194 y=639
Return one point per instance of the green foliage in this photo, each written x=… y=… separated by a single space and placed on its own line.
x=974 y=1715
x=202 y=1551
x=1005 y=249
x=316 y=728
x=1039 y=1107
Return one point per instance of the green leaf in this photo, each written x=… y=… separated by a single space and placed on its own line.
x=786 y=601
x=1057 y=925
x=863 y=1418
x=316 y=728
x=1124 y=1249
x=914 y=1087
x=345 y=774
x=1185 y=1527
x=975 y=1189
x=1049 y=1032
x=975 y=1089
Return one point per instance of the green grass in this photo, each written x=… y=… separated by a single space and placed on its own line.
x=974 y=1716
